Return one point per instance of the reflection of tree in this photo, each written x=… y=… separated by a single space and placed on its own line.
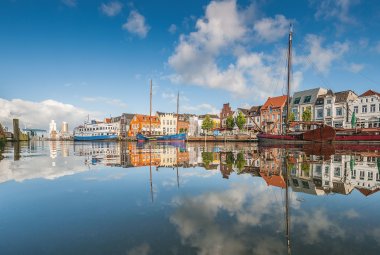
x=240 y=161
x=207 y=158
x=230 y=159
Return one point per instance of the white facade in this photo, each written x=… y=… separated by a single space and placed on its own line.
x=194 y=129
x=367 y=110
x=52 y=126
x=303 y=100
x=168 y=123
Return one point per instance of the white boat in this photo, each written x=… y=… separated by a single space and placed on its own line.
x=95 y=130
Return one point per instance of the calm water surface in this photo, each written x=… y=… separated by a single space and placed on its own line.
x=128 y=198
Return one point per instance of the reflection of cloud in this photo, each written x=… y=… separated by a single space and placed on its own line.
x=315 y=224
x=142 y=249
x=351 y=214
x=196 y=219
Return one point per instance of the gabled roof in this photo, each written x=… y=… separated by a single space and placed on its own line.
x=142 y=118
x=367 y=192
x=255 y=110
x=274 y=180
x=275 y=102
x=212 y=116
x=244 y=111
x=370 y=93
x=342 y=96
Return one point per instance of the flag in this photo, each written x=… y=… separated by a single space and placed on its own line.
x=353 y=120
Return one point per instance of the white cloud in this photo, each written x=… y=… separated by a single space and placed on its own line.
x=200 y=109
x=270 y=30
x=351 y=214
x=70 y=3
x=39 y=114
x=136 y=24
x=172 y=29
x=142 y=249
x=339 y=9
x=106 y=100
x=355 y=68
x=321 y=57
x=112 y=8
x=222 y=32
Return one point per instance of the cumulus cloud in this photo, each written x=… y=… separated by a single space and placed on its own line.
x=142 y=249
x=320 y=57
x=354 y=67
x=272 y=29
x=136 y=24
x=70 y=3
x=200 y=109
x=112 y=8
x=223 y=32
x=338 y=9
x=39 y=114
x=172 y=29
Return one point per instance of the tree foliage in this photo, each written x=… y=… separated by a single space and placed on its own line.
x=240 y=161
x=208 y=123
x=230 y=122
x=240 y=120
x=207 y=158
x=292 y=116
x=306 y=115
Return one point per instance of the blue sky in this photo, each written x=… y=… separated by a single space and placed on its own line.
x=97 y=57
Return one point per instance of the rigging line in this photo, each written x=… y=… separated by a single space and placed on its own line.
x=315 y=68
x=367 y=78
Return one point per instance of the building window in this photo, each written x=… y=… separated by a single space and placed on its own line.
x=339 y=111
x=319 y=113
x=337 y=171
x=361 y=175
x=297 y=100
x=328 y=112
x=364 y=109
x=329 y=101
x=370 y=176
x=307 y=99
x=356 y=109
x=373 y=108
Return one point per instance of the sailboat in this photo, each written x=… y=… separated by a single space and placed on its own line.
x=176 y=137
x=322 y=132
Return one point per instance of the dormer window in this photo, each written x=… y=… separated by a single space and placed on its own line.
x=307 y=99
x=297 y=100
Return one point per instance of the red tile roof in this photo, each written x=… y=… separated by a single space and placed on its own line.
x=367 y=192
x=274 y=180
x=370 y=93
x=274 y=102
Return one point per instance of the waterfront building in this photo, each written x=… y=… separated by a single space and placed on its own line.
x=168 y=123
x=367 y=109
x=224 y=113
x=64 y=134
x=272 y=114
x=335 y=111
x=184 y=123
x=143 y=124
x=53 y=130
x=245 y=113
x=124 y=123
x=254 y=117
x=305 y=100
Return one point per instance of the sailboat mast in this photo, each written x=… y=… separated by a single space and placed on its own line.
x=177 y=111
x=289 y=76
x=150 y=109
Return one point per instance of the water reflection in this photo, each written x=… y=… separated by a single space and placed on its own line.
x=129 y=198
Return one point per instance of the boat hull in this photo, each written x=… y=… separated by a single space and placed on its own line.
x=95 y=138
x=175 y=137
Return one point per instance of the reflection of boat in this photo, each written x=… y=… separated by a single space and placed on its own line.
x=320 y=133
x=144 y=138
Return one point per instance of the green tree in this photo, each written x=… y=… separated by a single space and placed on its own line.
x=208 y=123
x=240 y=120
x=292 y=116
x=230 y=122
x=306 y=115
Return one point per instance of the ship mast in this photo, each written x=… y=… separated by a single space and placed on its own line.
x=289 y=77
x=150 y=109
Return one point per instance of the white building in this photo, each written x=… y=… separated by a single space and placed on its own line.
x=168 y=123
x=305 y=100
x=194 y=129
x=53 y=130
x=367 y=109
x=336 y=108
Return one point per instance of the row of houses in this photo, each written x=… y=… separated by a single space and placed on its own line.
x=162 y=124
x=332 y=108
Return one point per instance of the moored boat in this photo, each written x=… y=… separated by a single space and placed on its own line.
x=94 y=130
